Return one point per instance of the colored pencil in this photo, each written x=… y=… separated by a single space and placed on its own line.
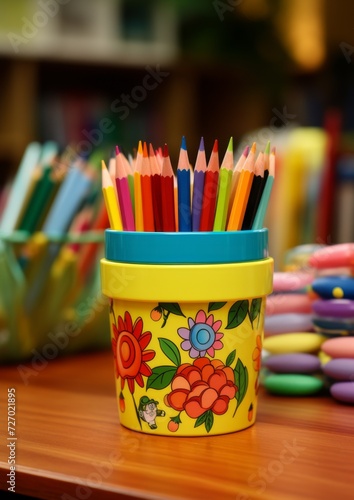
x=198 y=186
x=167 y=193
x=138 y=201
x=184 y=189
x=235 y=177
x=210 y=190
x=146 y=192
x=155 y=189
x=20 y=187
x=224 y=188
x=125 y=202
x=255 y=193
x=243 y=189
x=110 y=197
x=263 y=204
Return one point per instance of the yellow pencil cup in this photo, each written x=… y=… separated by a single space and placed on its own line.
x=187 y=318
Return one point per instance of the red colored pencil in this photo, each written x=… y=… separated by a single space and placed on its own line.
x=146 y=193
x=210 y=191
x=156 y=189
x=167 y=193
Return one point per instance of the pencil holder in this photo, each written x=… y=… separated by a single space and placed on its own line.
x=46 y=307
x=187 y=316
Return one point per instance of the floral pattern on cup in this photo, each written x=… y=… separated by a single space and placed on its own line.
x=129 y=345
x=202 y=337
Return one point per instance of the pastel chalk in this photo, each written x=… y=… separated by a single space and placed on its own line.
x=334 y=287
x=289 y=384
x=281 y=303
x=337 y=308
x=287 y=322
x=292 y=363
x=338 y=347
x=307 y=342
x=343 y=391
x=340 y=369
x=340 y=255
x=291 y=281
x=334 y=326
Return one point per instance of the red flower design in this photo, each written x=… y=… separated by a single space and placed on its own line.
x=129 y=349
x=257 y=354
x=202 y=386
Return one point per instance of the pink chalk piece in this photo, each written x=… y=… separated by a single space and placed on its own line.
x=340 y=255
x=292 y=281
x=281 y=303
x=339 y=347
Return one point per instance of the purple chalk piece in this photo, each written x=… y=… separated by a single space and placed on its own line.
x=292 y=363
x=334 y=308
x=340 y=369
x=288 y=323
x=343 y=391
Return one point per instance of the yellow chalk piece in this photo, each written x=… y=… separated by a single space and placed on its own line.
x=294 y=342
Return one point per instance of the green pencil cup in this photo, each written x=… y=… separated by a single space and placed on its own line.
x=69 y=310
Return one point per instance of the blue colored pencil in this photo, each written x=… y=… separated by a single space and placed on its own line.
x=184 y=189
x=198 y=187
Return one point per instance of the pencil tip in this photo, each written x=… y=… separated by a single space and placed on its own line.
x=230 y=146
x=201 y=145
x=267 y=148
x=140 y=148
x=246 y=151
x=273 y=150
x=216 y=146
x=165 y=151
x=103 y=165
x=184 y=143
x=117 y=150
x=151 y=150
x=145 y=150
x=253 y=148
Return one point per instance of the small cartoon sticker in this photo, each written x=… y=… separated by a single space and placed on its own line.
x=148 y=411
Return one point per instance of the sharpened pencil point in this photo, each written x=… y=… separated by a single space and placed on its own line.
x=165 y=151
x=246 y=151
x=145 y=151
x=230 y=146
x=216 y=146
x=140 y=148
x=201 y=145
x=117 y=150
x=267 y=148
x=184 y=143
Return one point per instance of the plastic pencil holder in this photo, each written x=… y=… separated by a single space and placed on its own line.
x=187 y=316
x=68 y=312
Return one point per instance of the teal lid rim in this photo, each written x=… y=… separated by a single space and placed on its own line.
x=186 y=248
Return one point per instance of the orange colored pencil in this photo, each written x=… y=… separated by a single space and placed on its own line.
x=235 y=177
x=167 y=193
x=243 y=189
x=210 y=190
x=146 y=193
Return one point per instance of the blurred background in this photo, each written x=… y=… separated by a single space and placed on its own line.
x=100 y=73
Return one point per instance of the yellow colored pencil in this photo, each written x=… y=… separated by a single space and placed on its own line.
x=110 y=199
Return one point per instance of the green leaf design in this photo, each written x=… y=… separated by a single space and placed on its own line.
x=161 y=377
x=214 y=306
x=237 y=313
x=231 y=357
x=255 y=308
x=172 y=307
x=170 y=350
x=241 y=380
x=206 y=418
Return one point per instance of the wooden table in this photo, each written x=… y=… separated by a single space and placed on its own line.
x=70 y=445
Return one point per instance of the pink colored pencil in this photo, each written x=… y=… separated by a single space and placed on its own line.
x=124 y=198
